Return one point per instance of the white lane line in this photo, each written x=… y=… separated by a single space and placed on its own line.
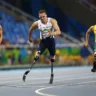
x=43 y=94
x=45 y=88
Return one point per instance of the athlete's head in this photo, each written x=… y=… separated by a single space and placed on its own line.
x=43 y=16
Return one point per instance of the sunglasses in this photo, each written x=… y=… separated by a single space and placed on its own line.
x=42 y=17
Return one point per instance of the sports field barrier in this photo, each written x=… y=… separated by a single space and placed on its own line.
x=66 y=54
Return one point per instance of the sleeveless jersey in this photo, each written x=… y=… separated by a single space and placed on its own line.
x=94 y=29
x=43 y=28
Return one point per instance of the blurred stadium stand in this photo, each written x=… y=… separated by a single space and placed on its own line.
x=16 y=24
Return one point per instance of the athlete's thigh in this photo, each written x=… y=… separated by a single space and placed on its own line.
x=51 y=47
x=42 y=47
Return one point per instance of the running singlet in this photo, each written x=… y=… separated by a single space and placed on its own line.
x=44 y=28
x=94 y=30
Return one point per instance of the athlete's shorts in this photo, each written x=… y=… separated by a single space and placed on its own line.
x=48 y=43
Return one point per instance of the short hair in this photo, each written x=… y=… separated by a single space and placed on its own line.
x=42 y=11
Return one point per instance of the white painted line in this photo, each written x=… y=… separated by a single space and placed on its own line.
x=43 y=94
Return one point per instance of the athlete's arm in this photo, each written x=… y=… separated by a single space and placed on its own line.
x=87 y=35
x=1 y=35
x=33 y=27
x=56 y=27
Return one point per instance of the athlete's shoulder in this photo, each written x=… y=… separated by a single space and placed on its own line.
x=53 y=20
x=91 y=27
x=35 y=23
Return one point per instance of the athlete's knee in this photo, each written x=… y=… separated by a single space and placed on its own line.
x=52 y=58
x=36 y=58
x=37 y=55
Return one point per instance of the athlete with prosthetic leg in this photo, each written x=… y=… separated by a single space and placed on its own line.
x=48 y=28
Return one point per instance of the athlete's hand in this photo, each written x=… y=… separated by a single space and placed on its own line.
x=86 y=44
x=30 y=39
x=50 y=33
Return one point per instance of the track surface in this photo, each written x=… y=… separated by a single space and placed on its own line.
x=68 y=81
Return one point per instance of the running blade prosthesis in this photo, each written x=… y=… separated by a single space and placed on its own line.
x=94 y=67
x=25 y=74
x=94 y=64
x=51 y=79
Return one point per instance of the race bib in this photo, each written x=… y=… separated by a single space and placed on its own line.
x=45 y=34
